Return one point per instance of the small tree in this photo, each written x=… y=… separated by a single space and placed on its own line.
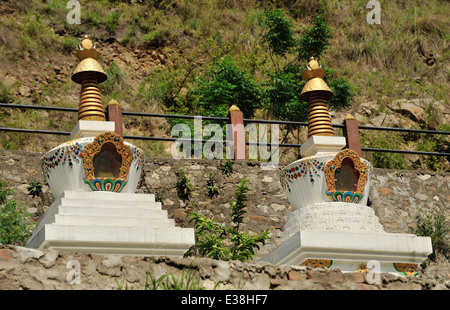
x=223 y=86
x=281 y=96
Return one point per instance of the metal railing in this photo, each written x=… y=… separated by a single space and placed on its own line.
x=221 y=119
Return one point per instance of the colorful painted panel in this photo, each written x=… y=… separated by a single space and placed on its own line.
x=310 y=168
x=106 y=184
x=407 y=269
x=67 y=154
x=317 y=263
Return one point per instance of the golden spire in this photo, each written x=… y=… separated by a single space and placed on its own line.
x=89 y=74
x=316 y=92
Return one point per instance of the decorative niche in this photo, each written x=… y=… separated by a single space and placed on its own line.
x=107 y=162
x=346 y=177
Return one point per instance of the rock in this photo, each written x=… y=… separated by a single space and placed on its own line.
x=24 y=91
x=409 y=109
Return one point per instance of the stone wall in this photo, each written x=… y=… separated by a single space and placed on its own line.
x=29 y=269
x=396 y=197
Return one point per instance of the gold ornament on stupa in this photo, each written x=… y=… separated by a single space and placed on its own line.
x=89 y=74
x=317 y=92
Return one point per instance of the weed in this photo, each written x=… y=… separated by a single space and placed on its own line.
x=212 y=188
x=35 y=188
x=210 y=236
x=183 y=185
x=15 y=222
x=434 y=224
x=188 y=280
x=226 y=166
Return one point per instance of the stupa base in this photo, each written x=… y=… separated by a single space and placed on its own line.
x=399 y=254
x=110 y=223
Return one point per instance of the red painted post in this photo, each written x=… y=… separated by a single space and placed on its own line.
x=115 y=115
x=351 y=133
x=238 y=130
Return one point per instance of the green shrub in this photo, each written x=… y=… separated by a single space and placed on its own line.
x=35 y=188
x=211 y=187
x=278 y=32
x=223 y=86
x=210 y=236
x=382 y=140
x=183 y=185
x=226 y=166
x=188 y=280
x=5 y=96
x=434 y=224
x=15 y=222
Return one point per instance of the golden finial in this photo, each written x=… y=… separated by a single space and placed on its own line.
x=233 y=108
x=89 y=74
x=316 y=92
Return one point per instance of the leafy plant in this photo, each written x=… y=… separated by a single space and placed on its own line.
x=211 y=187
x=35 y=188
x=5 y=96
x=314 y=40
x=278 y=32
x=183 y=185
x=434 y=224
x=15 y=223
x=188 y=280
x=226 y=166
x=217 y=241
x=223 y=86
x=383 y=141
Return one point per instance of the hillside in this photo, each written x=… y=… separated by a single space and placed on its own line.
x=153 y=51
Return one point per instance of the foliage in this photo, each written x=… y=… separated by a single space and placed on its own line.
x=223 y=86
x=314 y=40
x=210 y=236
x=15 y=223
x=434 y=224
x=183 y=185
x=5 y=96
x=278 y=32
x=115 y=78
x=382 y=141
x=226 y=166
x=212 y=188
x=281 y=95
x=35 y=188
x=187 y=281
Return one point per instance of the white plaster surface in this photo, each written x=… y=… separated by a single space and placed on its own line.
x=110 y=223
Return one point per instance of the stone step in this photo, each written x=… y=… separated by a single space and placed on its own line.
x=109 y=220
x=112 y=239
x=108 y=196
x=76 y=210
x=66 y=202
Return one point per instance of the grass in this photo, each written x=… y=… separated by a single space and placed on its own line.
x=390 y=60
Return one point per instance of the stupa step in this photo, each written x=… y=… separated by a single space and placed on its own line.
x=117 y=211
x=108 y=196
x=112 y=220
x=112 y=239
x=110 y=203
x=347 y=250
